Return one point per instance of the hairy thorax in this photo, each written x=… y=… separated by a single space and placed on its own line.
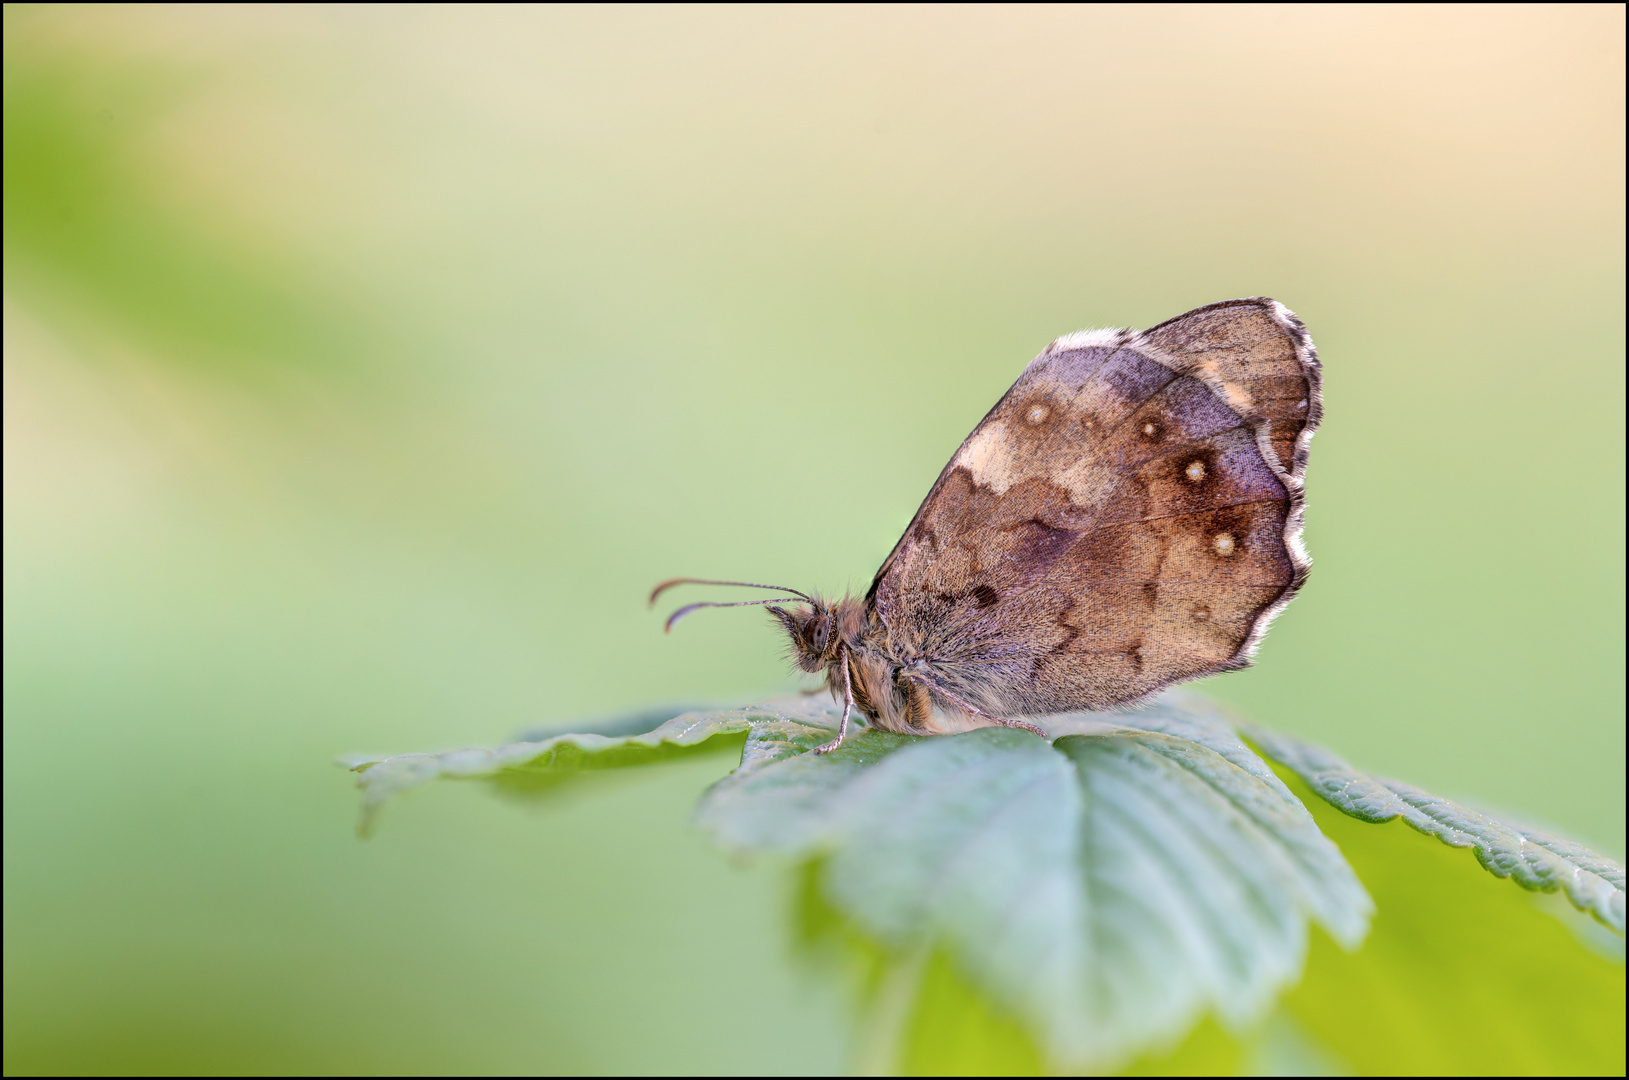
x=889 y=686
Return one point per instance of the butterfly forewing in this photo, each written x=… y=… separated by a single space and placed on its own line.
x=1126 y=517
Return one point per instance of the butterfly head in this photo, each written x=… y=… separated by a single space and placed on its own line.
x=813 y=631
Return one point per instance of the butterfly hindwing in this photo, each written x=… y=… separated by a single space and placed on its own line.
x=1127 y=516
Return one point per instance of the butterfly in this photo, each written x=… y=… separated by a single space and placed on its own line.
x=1126 y=517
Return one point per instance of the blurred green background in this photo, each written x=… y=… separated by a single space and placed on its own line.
x=365 y=366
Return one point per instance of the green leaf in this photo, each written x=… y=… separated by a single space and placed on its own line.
x=1461 y=974
x=1109 y=887
x=1533 y=859
x=539 y=765
x=1134 y=892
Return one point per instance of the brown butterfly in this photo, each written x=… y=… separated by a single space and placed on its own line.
x=1128 y=516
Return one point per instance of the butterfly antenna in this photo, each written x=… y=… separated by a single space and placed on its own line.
x=670 y=582
x=688 y=608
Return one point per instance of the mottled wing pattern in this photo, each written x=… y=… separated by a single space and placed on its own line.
x=1258 y=356
x=1127 y=516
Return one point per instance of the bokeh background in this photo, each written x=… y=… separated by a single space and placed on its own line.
x=365 y=366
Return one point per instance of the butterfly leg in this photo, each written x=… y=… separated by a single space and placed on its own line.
x=1019 y=724
x=848 y=707
x=996 y=720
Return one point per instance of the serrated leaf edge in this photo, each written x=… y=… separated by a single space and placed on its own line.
x=1534 y=860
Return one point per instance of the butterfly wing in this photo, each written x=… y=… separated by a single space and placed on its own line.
x=1126 y=517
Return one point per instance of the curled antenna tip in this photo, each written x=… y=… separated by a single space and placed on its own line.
x=664 y=587
x=667 y=627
